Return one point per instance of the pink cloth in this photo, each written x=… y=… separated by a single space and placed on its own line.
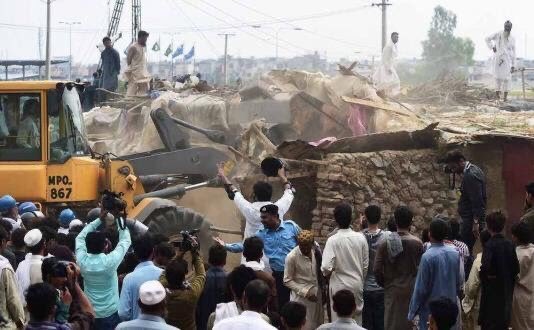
x=357 y=120
x=325 y=142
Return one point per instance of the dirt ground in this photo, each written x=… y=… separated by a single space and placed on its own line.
x=220 y=211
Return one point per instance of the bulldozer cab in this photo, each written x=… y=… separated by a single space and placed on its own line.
x=43 y=144
x=40 y=123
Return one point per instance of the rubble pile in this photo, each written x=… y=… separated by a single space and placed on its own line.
x=448 y=90
x=385 y=178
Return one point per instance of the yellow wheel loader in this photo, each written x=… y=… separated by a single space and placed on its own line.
x=45 y=158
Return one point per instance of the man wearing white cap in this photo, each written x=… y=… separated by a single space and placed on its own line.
x=29 y=270
x=152 y=303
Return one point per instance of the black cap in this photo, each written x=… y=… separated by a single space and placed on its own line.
x=530 y=188
x=269 y=209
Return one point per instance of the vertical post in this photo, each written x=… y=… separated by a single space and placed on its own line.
x=384 y=24
x=70 y=52
x=523 y=83
x=226 y=59
x=23 y=72
x=47 y=66
x=276 y=49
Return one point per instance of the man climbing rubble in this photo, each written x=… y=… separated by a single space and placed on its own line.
x=503 y=46
x=385 y=78
x=137 y=73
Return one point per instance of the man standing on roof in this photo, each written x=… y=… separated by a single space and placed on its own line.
x=503 y=46
x=386 y=80
x=111 y=66
x=137 y=73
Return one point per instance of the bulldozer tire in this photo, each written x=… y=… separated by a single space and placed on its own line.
x=171 y=220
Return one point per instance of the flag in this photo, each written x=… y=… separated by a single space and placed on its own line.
x=168 y=51
x=190 y=54
x=179 y=51
x=156 y=47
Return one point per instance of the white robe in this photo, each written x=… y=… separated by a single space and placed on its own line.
x=346 y=257
x=385 y=77
x=504 y=58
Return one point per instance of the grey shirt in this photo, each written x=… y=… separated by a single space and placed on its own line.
x=373 y=241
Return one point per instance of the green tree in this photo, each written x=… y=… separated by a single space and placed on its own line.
x=444 y=53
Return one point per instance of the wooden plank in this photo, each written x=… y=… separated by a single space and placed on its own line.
x=376 y=105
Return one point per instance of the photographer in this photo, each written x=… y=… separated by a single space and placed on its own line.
x=182 y=297
x=71 y=304
x=472 y=202
x=98 y=265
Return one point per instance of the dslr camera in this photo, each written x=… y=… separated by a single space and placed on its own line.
x=189 y=241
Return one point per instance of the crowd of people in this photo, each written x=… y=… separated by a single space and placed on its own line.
x=103 y=273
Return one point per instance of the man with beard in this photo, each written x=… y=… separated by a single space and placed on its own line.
x=503 y=46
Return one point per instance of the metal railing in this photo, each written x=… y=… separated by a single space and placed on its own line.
x=523 y=83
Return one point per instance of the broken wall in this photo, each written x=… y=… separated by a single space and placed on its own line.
x=385 y=178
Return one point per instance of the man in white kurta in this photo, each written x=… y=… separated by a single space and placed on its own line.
x=346 y=259
x=503 y=45
x=385 y=78
x=300 y=275
x=137 y=73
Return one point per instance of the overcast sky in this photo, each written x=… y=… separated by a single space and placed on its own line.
x=337 y=28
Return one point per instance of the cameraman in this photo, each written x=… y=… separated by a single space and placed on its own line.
x=98 y=265
x=72 y=305
x=472 y=202
x=182 y=297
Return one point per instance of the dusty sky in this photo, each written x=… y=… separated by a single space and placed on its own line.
x=337 y=28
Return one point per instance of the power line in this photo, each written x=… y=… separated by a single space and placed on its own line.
x=306 y=30
x=231 y=25
x=203 y=35
x=267 y=34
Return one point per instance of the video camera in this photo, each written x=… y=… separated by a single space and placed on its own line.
x=113 y=203
x=189 y=241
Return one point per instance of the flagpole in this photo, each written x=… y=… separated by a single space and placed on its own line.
x=159 y=54
x=172 y=59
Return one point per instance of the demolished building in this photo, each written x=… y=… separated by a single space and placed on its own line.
x=375 y=152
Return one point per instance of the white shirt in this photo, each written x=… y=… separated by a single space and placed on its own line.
x=346 y=256
x=28 y=273
x=251 y=211
x=342 y=323
x=247 y=320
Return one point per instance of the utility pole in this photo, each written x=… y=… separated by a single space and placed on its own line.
x=226 y=35
x=384 y=4
x=70 y=24
x=47 y=65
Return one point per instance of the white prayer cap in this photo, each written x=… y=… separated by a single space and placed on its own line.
x=33 y=237
x=75 y=222
x=151 y=293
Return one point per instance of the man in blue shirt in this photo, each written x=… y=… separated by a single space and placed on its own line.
x=153 y=309
x=99 y=270
x=145 y=271
x=279 y=238
x=440 y=274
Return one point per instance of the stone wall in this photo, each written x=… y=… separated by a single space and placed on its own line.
x=385 y=178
